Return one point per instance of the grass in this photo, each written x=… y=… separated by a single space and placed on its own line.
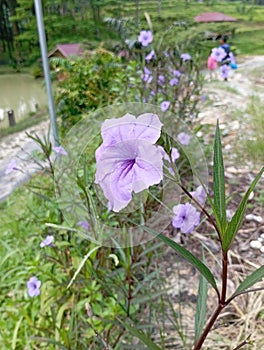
x=25 y=123
x=252 y=142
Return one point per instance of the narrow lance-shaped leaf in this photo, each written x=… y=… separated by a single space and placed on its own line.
x=184 y=253
x=219 y=183
x=200 y=315
x=255 y=277
x=237 y=219
x=140 y=335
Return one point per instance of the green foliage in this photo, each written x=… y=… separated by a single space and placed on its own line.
x=87 y=292
x=219 y=184
x=86 y=84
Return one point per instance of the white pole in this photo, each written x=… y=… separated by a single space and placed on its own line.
x=45 y=63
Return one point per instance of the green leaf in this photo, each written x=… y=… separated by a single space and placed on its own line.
x=200 y=315
x=249 y=281
x=237 y=219
x=81 y=265
x=219 y=183
x=140 y=335
x=200 y=266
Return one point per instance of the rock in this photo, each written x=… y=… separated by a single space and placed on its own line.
x=262 y=249
x=252 y=217
x=255 y=245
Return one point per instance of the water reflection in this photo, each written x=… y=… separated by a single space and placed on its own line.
x=22 y=93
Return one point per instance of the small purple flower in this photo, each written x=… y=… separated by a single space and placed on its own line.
x=177 y=73
x=11 y=167
x=47 y=242
x=185 y=57
x=174 y=154
x=161 y=80
x=174 y=81
x=218 y=53
x=152 y=93
x=184 y=138
x=147 y=75
x=199 y=194
x=186 y=217
x=128 y=161
x=165 y=53
x=145 y=37
x=164 y=105
x=59 y=150
x=84 y=224
x=203 y=98
x=150 y=56
x=224 y=71
x=33 y=286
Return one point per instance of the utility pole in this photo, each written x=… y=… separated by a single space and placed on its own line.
x=45 y=63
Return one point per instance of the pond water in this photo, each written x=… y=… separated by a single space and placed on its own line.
x=21 y=93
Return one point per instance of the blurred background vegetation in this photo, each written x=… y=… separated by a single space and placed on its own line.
x=87 y=22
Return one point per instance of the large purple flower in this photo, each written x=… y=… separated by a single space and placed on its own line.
x=128 y=161
x=145 y=37
x=33 y=286
x=186 y=217
x=218 y=53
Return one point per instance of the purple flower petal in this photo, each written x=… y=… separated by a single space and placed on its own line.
x=47 y=242
x=150 y=56
x=128 y=166
x=59 y=150
x=146 y=127
x=184 y=138
x=199 y=194
x=218 y=53
x=185 y=57
x=161 y=80
x=174 y=154
x=177 y=73
x=84 y=224
x=174 y=81
x=11 y=167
